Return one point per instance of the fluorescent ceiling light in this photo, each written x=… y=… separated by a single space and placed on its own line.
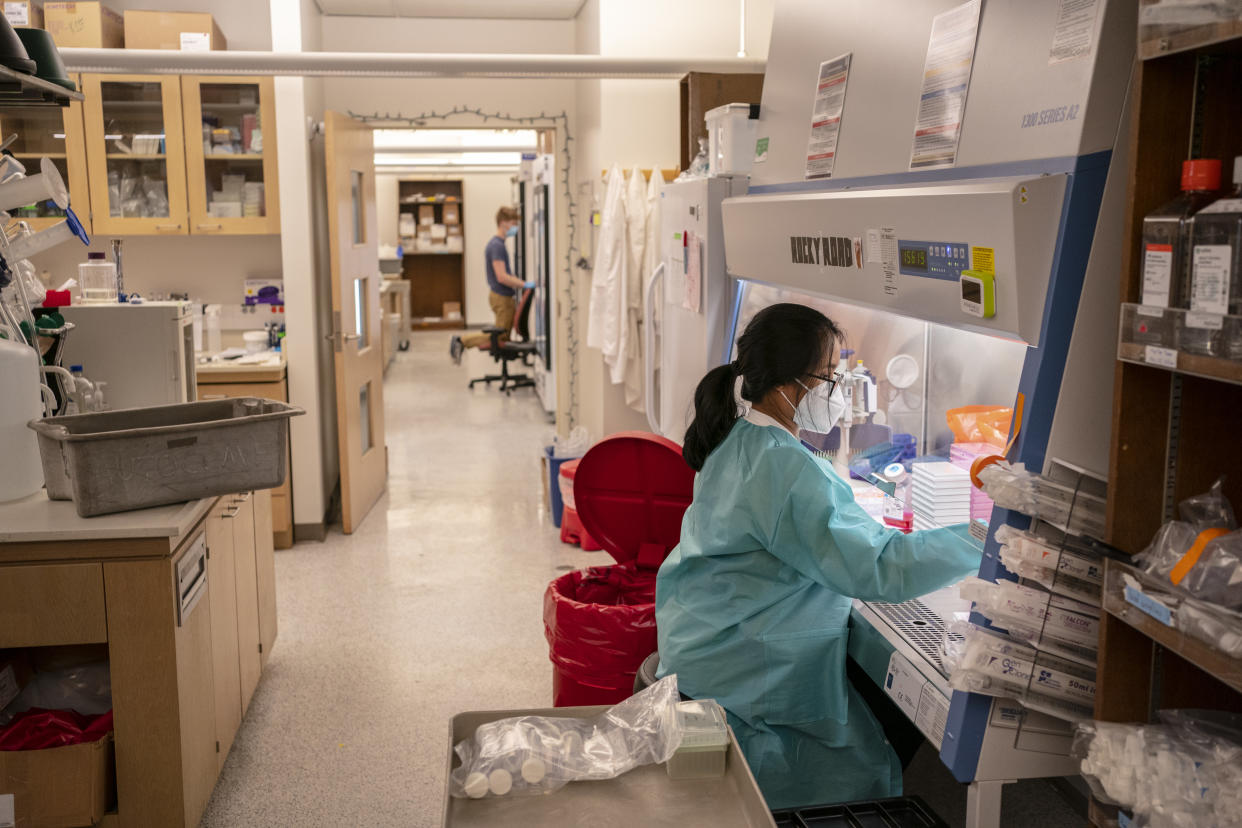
x=476 y=159
x=414 y=139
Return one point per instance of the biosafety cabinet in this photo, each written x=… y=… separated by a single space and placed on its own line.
x=946 y=180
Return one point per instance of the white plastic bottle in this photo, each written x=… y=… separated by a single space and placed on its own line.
x=20 y=403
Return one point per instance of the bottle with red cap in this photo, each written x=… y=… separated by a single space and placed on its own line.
x=1166 y=254
x=1214 y=286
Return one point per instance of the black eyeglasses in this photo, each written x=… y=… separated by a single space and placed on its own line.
x=831 y=381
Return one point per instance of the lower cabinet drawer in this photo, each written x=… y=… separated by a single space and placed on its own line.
x=42 y=606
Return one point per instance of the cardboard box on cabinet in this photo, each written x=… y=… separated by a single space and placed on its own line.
x=88 y=25
x=184 y=31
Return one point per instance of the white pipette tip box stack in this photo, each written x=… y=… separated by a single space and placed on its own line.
x=941 y=494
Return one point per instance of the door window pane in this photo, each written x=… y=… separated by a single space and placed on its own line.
x=362 y=312
x=364 y=415
x=134 y=149
x=232 y=139
x=356 y=191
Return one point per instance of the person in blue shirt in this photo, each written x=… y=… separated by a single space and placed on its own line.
x=752 y=606
x=501 y=282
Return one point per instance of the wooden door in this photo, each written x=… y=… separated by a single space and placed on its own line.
x=356 y=314
x=265 y=567
x=134 y=133
x=222 y=578
x=242 y=511
x=230 y=128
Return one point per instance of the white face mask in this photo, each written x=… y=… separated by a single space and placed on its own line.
x=818 y=410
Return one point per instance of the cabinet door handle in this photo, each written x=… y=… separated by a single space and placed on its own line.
x=210 y=226
x=241 y=498
x=231 y=513
x=168 y=228
x=191 y=578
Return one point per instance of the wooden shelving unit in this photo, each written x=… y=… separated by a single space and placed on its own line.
x=1173 y=427
x=436 y=277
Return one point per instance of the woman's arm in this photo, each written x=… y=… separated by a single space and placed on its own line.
x=813 y=524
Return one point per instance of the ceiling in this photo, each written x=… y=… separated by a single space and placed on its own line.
x=495 y=9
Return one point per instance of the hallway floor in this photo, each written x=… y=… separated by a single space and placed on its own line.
x=433 y=607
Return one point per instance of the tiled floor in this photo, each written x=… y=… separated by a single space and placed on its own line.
x=431 y=608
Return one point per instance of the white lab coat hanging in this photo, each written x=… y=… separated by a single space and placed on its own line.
x=652 y=256
x=631 y=363
x=604 y=320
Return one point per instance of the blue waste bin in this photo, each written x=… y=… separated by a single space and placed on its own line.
x=554 y=488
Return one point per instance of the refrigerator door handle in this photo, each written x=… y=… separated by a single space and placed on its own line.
x=649 y=360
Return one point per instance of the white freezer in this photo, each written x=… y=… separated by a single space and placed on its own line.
x=690 y=340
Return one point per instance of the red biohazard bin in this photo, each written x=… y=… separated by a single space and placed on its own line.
x=631 y=491
x=572 y=530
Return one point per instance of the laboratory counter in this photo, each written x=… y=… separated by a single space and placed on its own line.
x=269 y=366
x=262 y=375
x=181 y=602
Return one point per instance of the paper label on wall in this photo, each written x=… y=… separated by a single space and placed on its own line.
x=761 y=150
x=821 y=148
x=888 y=259
x=1162 y=357
x=8 y=816
x=1209 y=291
x=1157 y=274
x=873 y=246
x=692 y=300
x=196 y=41
x=18 y=14
x=983 y=259
x=1074 y=34
x=946 y=80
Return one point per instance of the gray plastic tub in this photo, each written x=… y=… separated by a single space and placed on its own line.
x=645 y=796
x=134 y=458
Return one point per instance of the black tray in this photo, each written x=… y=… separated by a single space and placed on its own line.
x=898 y=812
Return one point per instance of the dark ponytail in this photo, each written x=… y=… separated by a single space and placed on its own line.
x=781 y=344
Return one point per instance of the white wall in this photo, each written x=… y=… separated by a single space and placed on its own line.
x=482 y=194
x=636 y=123
x=313 y=436
x=208 y=269
x=414 y=95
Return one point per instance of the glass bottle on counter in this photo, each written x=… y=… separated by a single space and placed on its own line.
x=1213 y=287
x=1166 y=254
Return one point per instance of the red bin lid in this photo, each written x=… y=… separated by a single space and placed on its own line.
x=631 y=490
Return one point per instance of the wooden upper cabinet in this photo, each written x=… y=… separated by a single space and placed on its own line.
x=54 y=133
x=135 y=154
x=230 y=150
